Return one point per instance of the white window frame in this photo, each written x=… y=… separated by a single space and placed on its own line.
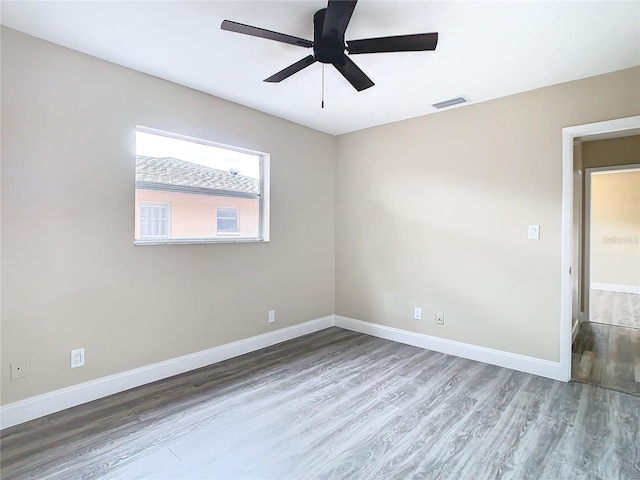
x=264 y=196
x=167 y=205
x=237 y=218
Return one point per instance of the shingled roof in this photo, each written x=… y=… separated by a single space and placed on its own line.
x=172 y=171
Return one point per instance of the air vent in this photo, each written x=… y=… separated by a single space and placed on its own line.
x=449 y=103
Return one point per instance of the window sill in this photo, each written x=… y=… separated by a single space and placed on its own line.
x=196 y=241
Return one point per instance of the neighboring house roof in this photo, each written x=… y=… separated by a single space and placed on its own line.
x=174 y=173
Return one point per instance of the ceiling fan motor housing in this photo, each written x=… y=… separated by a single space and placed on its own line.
x=330 y=49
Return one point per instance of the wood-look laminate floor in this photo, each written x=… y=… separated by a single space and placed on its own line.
x=614 y=308
x=607 y=355
x=338 y=404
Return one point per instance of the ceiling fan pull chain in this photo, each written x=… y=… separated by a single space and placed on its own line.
x=322 y=103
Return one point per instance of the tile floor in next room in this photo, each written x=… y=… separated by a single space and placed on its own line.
x=614 y=308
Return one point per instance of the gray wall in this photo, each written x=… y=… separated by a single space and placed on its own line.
x=71 y=275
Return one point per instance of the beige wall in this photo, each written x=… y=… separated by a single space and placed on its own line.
x=611 y=152
x=433 y=212
x=615 y=228
x=195 y=216
x=71 y=276
x=604 y=153
x=429 y=212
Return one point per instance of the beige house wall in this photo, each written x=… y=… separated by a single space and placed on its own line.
x=611 y=152
x=71 y=274
x=615 y=228
x=195 y=216
x=433 y=212
x=429 y=212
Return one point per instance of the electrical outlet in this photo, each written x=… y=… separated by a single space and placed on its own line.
x=417 y=313
x=272 y=316
x=77 y=358
x=18 y=370
x=440 y=318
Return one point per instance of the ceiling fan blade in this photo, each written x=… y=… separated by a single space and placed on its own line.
x=262 y=33
x=400 y=43
x=291 y=69
x=353 y=74
x=336 y=18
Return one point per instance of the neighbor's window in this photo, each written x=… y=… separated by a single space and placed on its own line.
x=194 y=191
x=227 y=220
x=154 y=220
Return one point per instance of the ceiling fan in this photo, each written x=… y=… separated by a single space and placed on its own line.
x=329 y=46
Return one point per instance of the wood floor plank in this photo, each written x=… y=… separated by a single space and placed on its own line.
x=585 y=365
x=450 y=448
x=620 y=368
x=250 y=400
x=286 y=405
x=607 y=355
x=626 y=416
x=365 y=405
x=338 y=404
x=509 y=442
x=601 y=348
x=557 y=417
x=422 y=425
x=323 y=448
x=160 y=465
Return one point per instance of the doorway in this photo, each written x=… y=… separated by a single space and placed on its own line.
x=612 y=245
x=606 y=351
x=574 y=312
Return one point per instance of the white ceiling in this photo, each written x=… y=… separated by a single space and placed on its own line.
x=485 y=50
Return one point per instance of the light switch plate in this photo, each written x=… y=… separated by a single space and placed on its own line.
x=534 y=232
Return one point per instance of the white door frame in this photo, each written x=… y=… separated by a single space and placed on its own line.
x=568 y=135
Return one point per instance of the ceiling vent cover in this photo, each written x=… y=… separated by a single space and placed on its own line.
x=450 y=103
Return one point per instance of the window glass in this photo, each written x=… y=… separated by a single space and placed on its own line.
x=191 y=190
x=154 y=220
x=227 y=220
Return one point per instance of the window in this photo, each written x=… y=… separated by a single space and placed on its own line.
x=227 y=220
x=189 y=190
x=154 y=220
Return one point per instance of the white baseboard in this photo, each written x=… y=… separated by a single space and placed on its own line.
x=45 y=404
x=48 y=403
x=612 y=287
x=513 y=361
x=574 y=331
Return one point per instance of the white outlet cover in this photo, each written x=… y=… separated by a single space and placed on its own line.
x=77 y=358
x=417 y=313
x=18 y=370
x=440 y=318
x=272 y=316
